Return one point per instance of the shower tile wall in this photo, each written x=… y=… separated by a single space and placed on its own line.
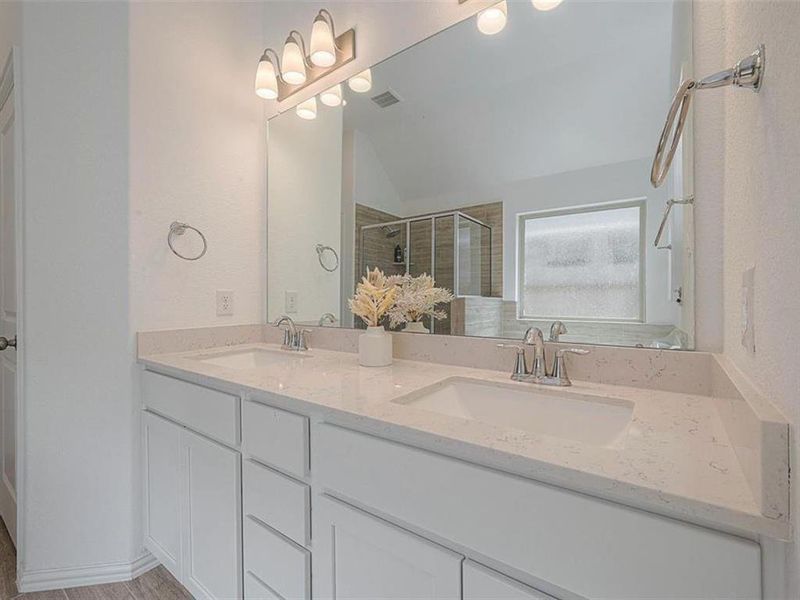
x=378 y=248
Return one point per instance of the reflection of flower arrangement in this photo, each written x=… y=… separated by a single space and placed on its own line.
x=374 y=296
x=417 y=298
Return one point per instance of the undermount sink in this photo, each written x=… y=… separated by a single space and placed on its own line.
x=254 y=358
x=566 y=415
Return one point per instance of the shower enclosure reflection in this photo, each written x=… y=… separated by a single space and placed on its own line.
x=458 y=256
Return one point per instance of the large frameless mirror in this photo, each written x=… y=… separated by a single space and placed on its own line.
x=513 y=168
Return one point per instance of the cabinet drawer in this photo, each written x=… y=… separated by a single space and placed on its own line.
x=587 y=546
x=207 y=411
x=276 y=437
x=277 y=500
x=277 y=562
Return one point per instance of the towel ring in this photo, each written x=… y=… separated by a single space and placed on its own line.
x=321 y=250
x=178 y=228
x=747 y=73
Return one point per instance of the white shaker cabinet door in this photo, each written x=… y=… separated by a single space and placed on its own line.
x=360 y=557
x=212 y=525
x=481 y=583
x=162 y=468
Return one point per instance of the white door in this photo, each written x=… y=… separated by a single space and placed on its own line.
x=162 y=477
x=8 y=316
x=360 y=557
x=482 y=583
x=212 y=519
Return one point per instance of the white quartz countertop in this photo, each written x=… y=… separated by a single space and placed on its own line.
x=674 y=459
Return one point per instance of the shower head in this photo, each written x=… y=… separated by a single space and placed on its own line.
x=390 y=231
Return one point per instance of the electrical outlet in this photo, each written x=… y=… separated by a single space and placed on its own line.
x=290 y=304
x=224 y=303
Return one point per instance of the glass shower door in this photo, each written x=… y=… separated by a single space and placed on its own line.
x=474 y=273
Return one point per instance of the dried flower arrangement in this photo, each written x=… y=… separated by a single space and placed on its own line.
x=417 y=298
x=375 y=295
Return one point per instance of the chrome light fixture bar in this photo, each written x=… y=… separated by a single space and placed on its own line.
x=297 y=69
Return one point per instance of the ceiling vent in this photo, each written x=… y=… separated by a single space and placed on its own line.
x=386 y=99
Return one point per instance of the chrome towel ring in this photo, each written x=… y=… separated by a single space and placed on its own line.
x=178 y=228
x=321 y=250
x=747 y=73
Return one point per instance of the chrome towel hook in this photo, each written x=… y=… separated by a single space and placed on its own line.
x=747 y=73
x=178 y=228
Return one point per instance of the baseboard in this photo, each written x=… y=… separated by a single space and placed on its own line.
x=53 y=579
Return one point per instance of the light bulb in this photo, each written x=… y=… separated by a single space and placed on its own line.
x=292 y=64
x=266 y=79
x=493 y=19
x=323 y=48
x=333 y=96
x=362 y=82
x=546 y=4
x=308 y=110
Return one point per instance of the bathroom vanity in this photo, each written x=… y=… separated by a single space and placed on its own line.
x=299 y=475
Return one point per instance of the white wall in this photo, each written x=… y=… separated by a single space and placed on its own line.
x=371 y=185
x=197 y=154
x=304 y=210
x=747 y=155
x=80 y=481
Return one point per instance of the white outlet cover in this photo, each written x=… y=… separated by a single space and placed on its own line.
x=290 y=303
x=224 y=303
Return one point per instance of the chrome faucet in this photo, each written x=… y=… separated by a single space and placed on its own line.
x=557 y=329
x=539 y=373
x=294 y=339
x=327 y=318
x=533 y=337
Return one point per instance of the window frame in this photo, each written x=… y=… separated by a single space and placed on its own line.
x=523 y=218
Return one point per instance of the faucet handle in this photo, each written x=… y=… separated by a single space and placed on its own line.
x=520 y=366
x=302 y=339
x=563 y=351
x=560 y=367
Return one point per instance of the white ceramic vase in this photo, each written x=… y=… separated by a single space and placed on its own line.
x=375 y=348
x=416 y=327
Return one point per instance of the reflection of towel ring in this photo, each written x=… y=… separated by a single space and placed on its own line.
x=321 y=250
x=177 y=228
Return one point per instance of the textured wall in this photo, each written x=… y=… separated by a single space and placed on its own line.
x=197 y=154
x=748 y=152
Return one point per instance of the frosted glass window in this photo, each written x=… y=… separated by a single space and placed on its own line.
x=586 y=264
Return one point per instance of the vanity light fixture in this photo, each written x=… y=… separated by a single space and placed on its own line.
x=545 y=5
x=362 y=82
x=307 y=110
x=294 y=59
x=279 y=79
x=492 y=20
x=323 y=40
x=332 y=96
x=267 y=75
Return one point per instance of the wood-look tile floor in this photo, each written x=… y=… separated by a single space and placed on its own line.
x=157 y=584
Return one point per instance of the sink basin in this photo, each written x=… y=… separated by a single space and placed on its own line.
x=254 y=358
x=566 y=415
